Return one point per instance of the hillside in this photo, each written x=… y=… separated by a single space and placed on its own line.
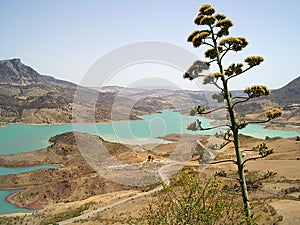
x=29 y=97
x=289 y=94
x=286 y=98
x=182 y=100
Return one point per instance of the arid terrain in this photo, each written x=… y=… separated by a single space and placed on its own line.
x=75 y=189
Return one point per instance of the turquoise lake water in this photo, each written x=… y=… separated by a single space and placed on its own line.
x=18 y=138
x=18 y=170
x=5 y=207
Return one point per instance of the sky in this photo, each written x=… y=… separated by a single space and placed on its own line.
x=65 y=38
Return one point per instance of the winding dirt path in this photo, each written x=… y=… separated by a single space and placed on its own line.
x=164 y=177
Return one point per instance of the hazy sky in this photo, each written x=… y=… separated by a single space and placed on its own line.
x=63 y=38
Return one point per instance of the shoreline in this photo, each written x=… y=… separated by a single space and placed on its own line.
x=49 y=124
x=274 y=125
x=266 y=126
x=10 y=200
x=138 y=117
x=20 y=205
x=283 y=128
x=29 y=165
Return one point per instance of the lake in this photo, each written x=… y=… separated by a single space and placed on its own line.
x=18 y=138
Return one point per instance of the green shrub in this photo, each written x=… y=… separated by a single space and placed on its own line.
x=189 y=200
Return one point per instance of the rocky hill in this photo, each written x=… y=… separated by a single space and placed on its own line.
x=28 y=97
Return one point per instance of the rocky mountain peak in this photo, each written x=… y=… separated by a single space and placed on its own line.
x=14 y=72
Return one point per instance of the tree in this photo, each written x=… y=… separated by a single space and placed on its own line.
x=213 y=32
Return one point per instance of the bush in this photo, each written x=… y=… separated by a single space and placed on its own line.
x=190 y=200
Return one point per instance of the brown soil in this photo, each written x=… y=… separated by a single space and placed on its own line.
x=76 y=189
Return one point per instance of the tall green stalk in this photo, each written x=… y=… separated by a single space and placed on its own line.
x=235 y=131
x=219 y=46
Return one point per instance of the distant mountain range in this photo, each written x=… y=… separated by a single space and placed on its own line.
x=28 y=97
